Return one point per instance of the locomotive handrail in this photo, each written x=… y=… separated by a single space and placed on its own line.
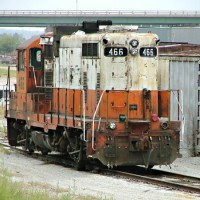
x=7 y=89
x=180 y=107
x=180 y=104
x=83 y=100
x=34 y=76
x=94 y=118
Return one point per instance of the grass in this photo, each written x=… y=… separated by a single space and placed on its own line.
x=2 y=111
x=2 y=129
x=4 y=72
x=12 y=190
x=4 y=150
x=2 y=134
x=17 y=191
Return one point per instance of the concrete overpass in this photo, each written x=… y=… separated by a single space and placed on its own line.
x=46 y=18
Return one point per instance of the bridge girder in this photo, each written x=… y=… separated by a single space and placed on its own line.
x=62 y=18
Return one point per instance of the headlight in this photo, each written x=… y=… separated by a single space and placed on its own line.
x=164 y=125
x=106 y=40
x=134 y=43
x=133 y=51
x=112 y=125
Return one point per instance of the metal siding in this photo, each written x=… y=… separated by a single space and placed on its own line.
x=198 y=114
x=190 y=35
x=183 y=75
x=176 y=34
x=163 y=75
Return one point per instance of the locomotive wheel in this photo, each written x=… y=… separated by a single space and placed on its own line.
x=30 y=146
x=80 y=160
x=150 y=167
x=12 y=133
x=80 y=165
x=31 y=151
x=44 y=152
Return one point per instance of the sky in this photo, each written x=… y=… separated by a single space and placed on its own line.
x=186 y=5
x=190 y=5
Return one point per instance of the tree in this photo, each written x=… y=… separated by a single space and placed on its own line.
x=9 y=43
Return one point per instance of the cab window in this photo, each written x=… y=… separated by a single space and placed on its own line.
x=35 y=57
x=21 y=60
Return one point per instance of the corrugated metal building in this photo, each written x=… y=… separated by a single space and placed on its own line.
x=175 y=34
x=179 y=68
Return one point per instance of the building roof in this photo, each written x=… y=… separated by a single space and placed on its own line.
x=179 y=49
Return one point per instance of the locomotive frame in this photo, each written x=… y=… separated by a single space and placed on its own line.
x=93 y=96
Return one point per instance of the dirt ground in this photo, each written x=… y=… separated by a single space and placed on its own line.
x=38 y=173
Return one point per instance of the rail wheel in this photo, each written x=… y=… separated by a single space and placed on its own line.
x=12 y=132
x=44 y=152
x=150 y=167
x=31 y=151
x=80 y=160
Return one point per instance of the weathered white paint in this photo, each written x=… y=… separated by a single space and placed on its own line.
x=119 y=73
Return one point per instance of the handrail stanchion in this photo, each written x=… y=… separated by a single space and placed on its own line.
x=83 y=100
x=94 y=119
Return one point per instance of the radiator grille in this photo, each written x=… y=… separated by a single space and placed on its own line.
x=98 y=88
x=85 y=85
x=90 y=49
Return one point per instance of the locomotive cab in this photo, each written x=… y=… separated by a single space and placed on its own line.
x=29 y=66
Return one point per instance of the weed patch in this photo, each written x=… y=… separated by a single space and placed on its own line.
x=10 y=190
x=4 y=150
x=4 y=72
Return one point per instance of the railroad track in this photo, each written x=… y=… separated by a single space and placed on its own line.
x=51 y=158
x=156 y=177
x=161 y=178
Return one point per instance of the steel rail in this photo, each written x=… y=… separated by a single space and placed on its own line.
x=163 y=183
x=53 y=158
x=178 y=181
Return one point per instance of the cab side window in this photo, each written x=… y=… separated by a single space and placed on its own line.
x=21 y=60
x=35 y=57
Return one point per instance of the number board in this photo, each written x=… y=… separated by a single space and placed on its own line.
x=148 y=52
x=115 y=51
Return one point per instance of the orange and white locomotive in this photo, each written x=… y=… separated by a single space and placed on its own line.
x=94 y=96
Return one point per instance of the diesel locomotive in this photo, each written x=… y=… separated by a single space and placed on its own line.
x=91 y=92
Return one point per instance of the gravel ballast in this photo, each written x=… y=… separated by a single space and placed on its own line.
x=29 y=170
